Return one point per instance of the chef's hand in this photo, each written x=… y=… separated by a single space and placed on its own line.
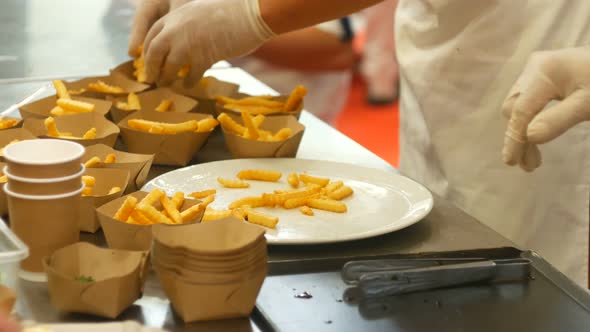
x=146 y=14
x=562 y=75
x=200 y=33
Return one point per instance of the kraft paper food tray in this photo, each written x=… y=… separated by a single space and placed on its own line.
x=121 y=235
x=106 y=131
x=115 y=79
x=119 y=278
x=41 y=108
x=205 y=91
x=128 y=326
x=105 y=180
x=219 y=108
x=138 y=165
x=199 y=302
x=149 y=100
x=241 y=147
x=9 y=135
x=175 y=150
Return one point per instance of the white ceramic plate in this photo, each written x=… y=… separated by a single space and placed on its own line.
x=382 y=202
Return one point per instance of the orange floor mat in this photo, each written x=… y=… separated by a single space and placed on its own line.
x=374 y=127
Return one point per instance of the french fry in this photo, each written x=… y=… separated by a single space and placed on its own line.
x=75 y=106
x=211 y=214
x=110 y=158
x=260 y=175
x=306 y=210
x=283 y=134
x=293 y=180
x=3 y=178
x=76 y=92
x=7 y=123
x=229 y=124
x=51 y=127
x=171 y=209
x=194 y=210
x=327 y=205
x=89 y=181
x=126 y=209
x=87 y=191
x=239 y=213
x=340 y=193
x=252 y=109
x=265 y=136
x=153 y=214
x=313 y=179
x=138 y=217
x=57 y=111
x=333 y=186
x=92 y=162
x=164 y=106
x=257 y=101
x=114 y=190
x=102 y=87
x=294 y=99
x=139 y=65
x=132 y=104
x=234 y=184
x=152 y=197
x=262 y=219
x=252 y=201
x=178 y=199
x=253 y=133
x=184 y=71
x=60 y=89
x=166 y=128
x=258 y=120
x=206 y=125
x=90 y=134
x=292 y=203
x=203 y=194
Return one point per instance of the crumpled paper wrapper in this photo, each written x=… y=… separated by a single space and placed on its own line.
x=105 y=180
x=41 y=108
x=106 y=131
x=138 y=165
x=241 y=147
x=115 y=79
x=121 y=235
x=149 y=100
x=174 y=150
x=118 y=276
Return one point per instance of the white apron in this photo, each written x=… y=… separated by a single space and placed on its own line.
x=458 y=59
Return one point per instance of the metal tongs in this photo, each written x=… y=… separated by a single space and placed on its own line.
x=382 y=277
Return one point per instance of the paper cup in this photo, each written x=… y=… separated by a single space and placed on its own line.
x=47 y=186
x=175 y=150
x=114 y=79
x=149 y=100
x=118 y=277
x=138 y=165
x=105 y=180
x=9 y=135
x=219 y=108
x=205 y=91
x=41 y=108
x=121 y=235
x=106 y=131
x=47 y=158
x=241 y=147
x=43 y=223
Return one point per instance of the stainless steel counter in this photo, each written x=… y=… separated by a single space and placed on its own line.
x=42 y=40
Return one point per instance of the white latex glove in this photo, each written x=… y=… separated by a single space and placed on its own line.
x=201 y=33
x=550 y=75
x=146 y=14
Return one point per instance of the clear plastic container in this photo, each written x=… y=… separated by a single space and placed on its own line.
x=12 y=252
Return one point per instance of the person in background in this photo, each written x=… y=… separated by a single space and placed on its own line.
x=321 y=58
x=458 y=59
x=379 y=67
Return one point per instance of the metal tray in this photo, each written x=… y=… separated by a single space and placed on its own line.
x=547 y=302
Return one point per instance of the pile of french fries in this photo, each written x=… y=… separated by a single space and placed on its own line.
x=102 y=87
x=7 y=123
x=307 y=192
x=145 y=213
x=251 y=128
x=52 y=131
x=89 y=183
x=132 y=103
x=164 y=128
x=110 y=158
x=265 y=104
x=66 y=105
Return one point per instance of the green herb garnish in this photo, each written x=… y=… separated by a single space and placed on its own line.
x=83 y=278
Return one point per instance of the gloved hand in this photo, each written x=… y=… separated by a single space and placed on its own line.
x=146 y=14
x=550 y=75
x=200 y=33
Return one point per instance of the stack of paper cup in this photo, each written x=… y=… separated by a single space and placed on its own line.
x=43 y=191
